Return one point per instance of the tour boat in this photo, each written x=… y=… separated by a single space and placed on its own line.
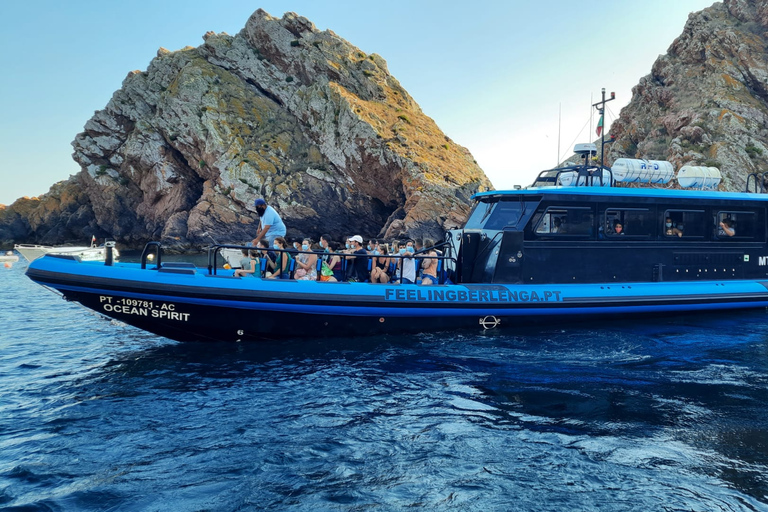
x=583 y=242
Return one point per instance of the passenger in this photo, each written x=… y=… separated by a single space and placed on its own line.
x=270 y=224
x=325 y=246
x=281 y=268
x=295 y=247
x=429 y=265
x=270 y=256
x=306 y=263
x=671 y=229
x=245 y=261
x=372 y=246
x=251 y=267
x=380 y=270
x=358 y=260
x=556 y=228
x=618 y=229
x=335 y=262
x=726 y=228
x=407 y=264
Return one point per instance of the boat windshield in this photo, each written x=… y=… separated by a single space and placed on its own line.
x=498 y=214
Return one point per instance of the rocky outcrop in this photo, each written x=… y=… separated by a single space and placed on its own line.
x=705 y=101
x=281 y=111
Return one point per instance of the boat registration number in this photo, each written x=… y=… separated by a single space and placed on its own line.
x=147 y=308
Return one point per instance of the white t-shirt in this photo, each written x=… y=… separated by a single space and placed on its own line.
x=409 y=269
x=275 y=223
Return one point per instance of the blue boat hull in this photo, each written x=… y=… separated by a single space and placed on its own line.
x=190 y=305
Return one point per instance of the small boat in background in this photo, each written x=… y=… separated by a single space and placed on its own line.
x=9 y=257
x=86 y=253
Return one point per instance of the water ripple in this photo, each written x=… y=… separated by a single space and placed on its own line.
x=95 y=415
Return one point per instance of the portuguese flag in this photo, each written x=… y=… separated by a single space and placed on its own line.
x=600 y=126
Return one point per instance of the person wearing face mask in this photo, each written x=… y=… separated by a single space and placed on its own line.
x=306 y=263
x=270 y=224
x=380 y=270
x=671 y=230
x=281 y=268
x=407 y=264
x=325 y=247
x=335 y=261
x=357 y=261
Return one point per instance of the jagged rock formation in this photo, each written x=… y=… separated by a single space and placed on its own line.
x=705 y=101
x=281 y=111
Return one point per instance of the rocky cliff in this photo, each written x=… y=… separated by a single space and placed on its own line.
x=705 y=101
x=281 y=111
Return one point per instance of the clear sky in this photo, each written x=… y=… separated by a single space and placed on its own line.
x=494 y=75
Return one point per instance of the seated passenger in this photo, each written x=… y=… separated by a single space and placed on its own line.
x=334 y=261
x=726 y=228
x=268 y=255
x=251 y=266
x=429 y=265
x=380 y=269
x=281 y=267
x=306 y=263
x=245 y=261
x=406 y=267
x=556 y=228
x=358 y=260
x=671 y=229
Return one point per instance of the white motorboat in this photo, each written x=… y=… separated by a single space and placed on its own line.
x=86 y=253
x=9 y=257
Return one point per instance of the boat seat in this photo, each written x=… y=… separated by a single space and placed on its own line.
x=178 y=264
x=178 y=268
x=319 y=267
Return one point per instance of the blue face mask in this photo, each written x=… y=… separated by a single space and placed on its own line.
x=669 y=224
x=369 y=247
x=410 y=249
x=376 y=253
x=304 y=247
x=402 y=251
x=348 y=247
x=276 y=246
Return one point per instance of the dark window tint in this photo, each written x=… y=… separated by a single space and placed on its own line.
x=627 y=222
x=506 y=213
x=480 y=214
x=683 y=224
x=735 y=225
x=572 y=221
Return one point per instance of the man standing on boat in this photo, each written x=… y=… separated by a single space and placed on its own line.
x=270 y=224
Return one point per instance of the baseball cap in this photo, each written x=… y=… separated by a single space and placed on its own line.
x=357 y=238
x=259 y=202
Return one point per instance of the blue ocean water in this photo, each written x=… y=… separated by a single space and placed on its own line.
x=649 y=414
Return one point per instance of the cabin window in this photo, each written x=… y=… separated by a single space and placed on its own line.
x=498 y=215
x=735 y=225
x=479 y=214
x=506 y=214
x=627 y=222
x=561 y=221
x=685 y=224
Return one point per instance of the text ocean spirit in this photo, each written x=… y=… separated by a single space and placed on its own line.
x=146 y=308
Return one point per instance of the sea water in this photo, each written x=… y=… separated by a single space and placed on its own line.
x=649 y=414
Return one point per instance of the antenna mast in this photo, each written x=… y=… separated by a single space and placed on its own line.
x=600 y=106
